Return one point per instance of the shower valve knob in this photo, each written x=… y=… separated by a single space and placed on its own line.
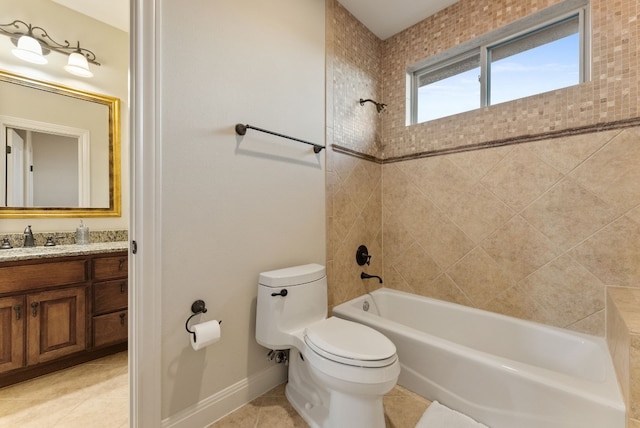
x=362 y=256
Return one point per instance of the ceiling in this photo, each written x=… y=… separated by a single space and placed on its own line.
x=388 y=17
x=112 y=12
x=383 y=17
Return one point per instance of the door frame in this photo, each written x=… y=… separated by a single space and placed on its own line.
x=145 y=341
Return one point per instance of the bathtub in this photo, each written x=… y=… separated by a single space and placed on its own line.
x=501 y=371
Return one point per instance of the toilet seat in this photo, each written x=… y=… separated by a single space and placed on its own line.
x=350 y=343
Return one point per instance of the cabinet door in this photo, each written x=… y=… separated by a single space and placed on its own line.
x=56 y=324
x=11 y=333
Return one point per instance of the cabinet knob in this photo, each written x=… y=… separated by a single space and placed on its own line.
x=123 y=287
x=122 y=315
x=17 y=308
x=121 y=264
x=34 y=309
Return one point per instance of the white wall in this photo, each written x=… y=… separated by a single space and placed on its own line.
x=232 y=207
x=111 y=47
x=55 y=170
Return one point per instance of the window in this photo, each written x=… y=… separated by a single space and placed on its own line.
x=449 y=89
x=535 y=55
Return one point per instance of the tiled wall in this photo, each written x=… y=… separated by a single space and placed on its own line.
x=355 y=191
x=534 y=230
x=623 y=337
x=356 y=64
x=354 y=207
x=611 y=95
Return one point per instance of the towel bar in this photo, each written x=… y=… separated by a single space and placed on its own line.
x=242 y=129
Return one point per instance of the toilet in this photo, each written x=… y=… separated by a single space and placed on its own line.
x=338 y=370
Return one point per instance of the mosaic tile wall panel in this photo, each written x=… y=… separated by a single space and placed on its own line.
x=611 y=95
x=356 y=74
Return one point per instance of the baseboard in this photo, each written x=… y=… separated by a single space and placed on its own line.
x=214 y=407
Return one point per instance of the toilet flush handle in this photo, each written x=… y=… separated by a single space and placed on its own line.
x=281 y=293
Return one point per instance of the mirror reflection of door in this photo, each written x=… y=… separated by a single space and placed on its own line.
x=15 y=165
x=45 y=167
x=52 y=175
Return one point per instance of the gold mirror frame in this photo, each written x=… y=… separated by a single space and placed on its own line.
x=115 y=196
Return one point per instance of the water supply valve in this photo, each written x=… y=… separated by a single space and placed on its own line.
x=280 y=357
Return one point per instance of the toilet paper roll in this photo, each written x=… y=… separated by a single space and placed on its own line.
x=206 y=333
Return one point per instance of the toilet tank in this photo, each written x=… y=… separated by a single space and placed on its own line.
x=278 y=317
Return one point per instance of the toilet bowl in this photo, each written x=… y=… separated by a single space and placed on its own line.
x=338 y=370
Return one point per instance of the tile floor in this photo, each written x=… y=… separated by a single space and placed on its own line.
x=94 y=394
x=74 y=397
x=402 y=409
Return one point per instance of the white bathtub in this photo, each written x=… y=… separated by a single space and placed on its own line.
x=501 y=371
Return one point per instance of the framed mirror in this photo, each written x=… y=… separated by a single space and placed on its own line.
x=60 y=151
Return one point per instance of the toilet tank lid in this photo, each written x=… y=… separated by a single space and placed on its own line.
x=295 y=275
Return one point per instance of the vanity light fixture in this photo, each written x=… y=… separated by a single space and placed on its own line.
x=33 y=43
x=28 y=49
x=78 y=64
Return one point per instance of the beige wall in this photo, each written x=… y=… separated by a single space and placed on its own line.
x=535 y=230
x=111 y=47
x=233 y=207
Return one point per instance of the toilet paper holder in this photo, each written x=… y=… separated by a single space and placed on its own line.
x=197 y=307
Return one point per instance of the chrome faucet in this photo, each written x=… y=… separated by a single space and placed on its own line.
x=28 y=237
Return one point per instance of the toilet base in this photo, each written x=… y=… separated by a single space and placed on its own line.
x=315 y=416
x=322 y=408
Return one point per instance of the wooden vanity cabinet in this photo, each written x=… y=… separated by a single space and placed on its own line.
x=52 y=313
x=110 y=300
x=11 y=333
x=45 y=317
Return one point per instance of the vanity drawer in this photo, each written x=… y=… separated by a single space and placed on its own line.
x=110 y=328
x=110 y=267
x=28 y=277
x=110 y=296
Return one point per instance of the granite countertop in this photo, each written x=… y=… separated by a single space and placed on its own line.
x=42 y=252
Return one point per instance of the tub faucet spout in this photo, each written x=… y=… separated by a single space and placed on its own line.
x=367 y=276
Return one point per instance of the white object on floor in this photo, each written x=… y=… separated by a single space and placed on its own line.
x=439 y=416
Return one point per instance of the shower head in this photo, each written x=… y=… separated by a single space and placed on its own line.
x=379 y=106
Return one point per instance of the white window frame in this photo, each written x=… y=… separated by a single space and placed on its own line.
x=482 y=45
